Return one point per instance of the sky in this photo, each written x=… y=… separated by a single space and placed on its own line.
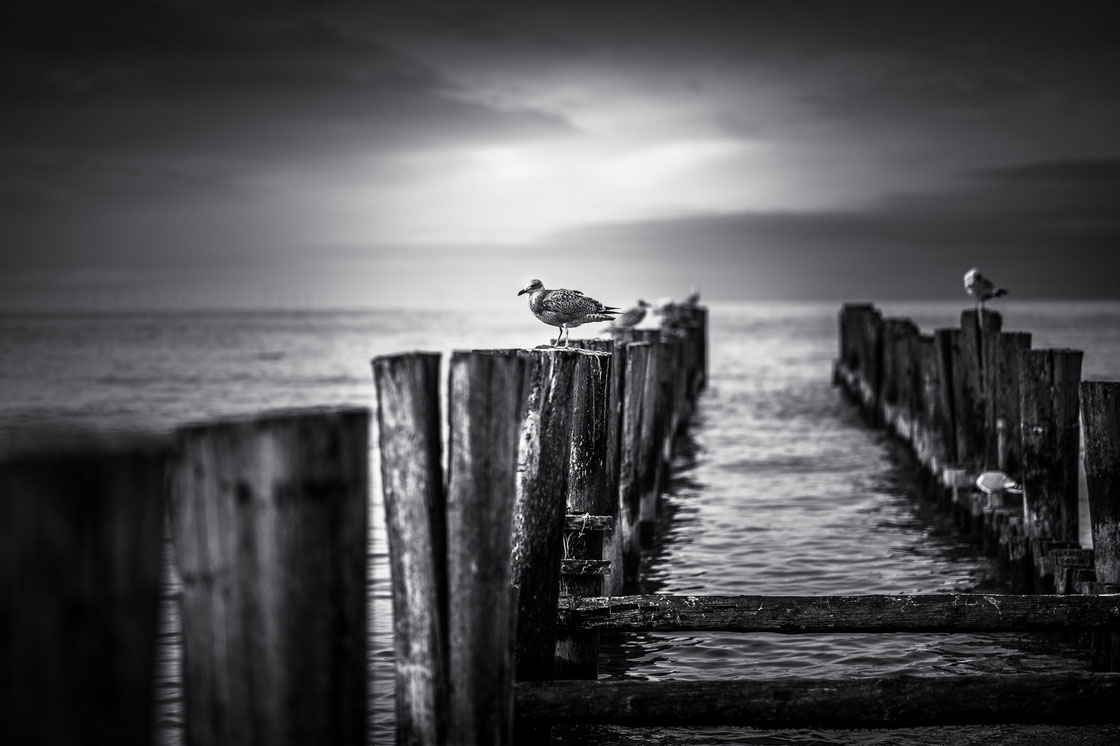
x=247 y=154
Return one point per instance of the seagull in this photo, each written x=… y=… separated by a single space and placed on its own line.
x=996 y=483
x=980 y=287
x=669 y=311
x=632 y=315
x=565 y=308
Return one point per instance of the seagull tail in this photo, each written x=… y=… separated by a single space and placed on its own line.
x=999 y=292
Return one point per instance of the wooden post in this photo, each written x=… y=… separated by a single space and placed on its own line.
x=487 y=405
x=933 y=441
x=268 y=520
x=1001 y=382
x=539 y=511
x=1100 y=414
x=630 y=481
x=969 y=396
x=946 y=344
x=648 y=444
x=898 y=393
x=612 y=540
x=408 y=418
x=577 y=655
x=80 y=541
x=1048 y=391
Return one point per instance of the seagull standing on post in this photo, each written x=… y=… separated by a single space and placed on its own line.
x=981 y=288
x=565 y=308
x=632 y=315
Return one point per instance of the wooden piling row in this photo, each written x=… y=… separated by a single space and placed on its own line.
x=982 y=399
x=556 y=459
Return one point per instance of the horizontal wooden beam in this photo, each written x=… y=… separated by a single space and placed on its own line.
x=584 y=567
x=894 y=702
x=588 y=522
x=871 y=613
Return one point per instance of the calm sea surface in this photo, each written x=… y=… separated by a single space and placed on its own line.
x=778 y=488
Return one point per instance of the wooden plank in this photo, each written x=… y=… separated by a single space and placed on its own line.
x=1100 y=414
x=408 y=418
x=80 y=545
x=585 y=567
x=487 y=408
x=812 y=614
x=269 y=524
x=881 y=702
x=588 y=522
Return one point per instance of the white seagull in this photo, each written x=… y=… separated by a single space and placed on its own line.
x=980 y=287
x=565 y=308
x=997 y=481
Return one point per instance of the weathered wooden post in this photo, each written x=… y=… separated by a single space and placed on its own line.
x=1001 y=382
x=630 y=481
x=969 y=396
x=268 y=520
x=1048 y=391
x=80 y=541
x=540 y=510
x=539 y=513
x=869 y=329
x=933 y=444
x=408 y=417
x=487 y=404
x=577 y=655
x=896 y=402
x=1100 y=414
x=649 y=445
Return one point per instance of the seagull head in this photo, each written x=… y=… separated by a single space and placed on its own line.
x=533 y=286
x=971 y=275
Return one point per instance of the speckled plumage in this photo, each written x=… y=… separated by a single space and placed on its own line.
x=565 y=308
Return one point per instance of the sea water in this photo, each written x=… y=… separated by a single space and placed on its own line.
x=778 y=487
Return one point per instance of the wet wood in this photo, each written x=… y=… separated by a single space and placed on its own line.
x=540 y=510
x=1100 y=414
x=269 y=524
x=886 y=702
x=487 y=408
x=836 y=614
x=1001 y=352
x=1049 y=411
x=80 y=545
x=408 y=417
x=577 y=654
x=901 y=373
x=630 y=481
x=969 y=396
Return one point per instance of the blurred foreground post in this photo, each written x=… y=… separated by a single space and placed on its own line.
x=268 y=519
x=415 y=521
x=487 y=405
x=80 y=540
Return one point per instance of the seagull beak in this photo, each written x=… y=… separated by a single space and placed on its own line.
x=522 y=291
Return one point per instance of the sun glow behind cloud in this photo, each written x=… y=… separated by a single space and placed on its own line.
x=519 y=193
